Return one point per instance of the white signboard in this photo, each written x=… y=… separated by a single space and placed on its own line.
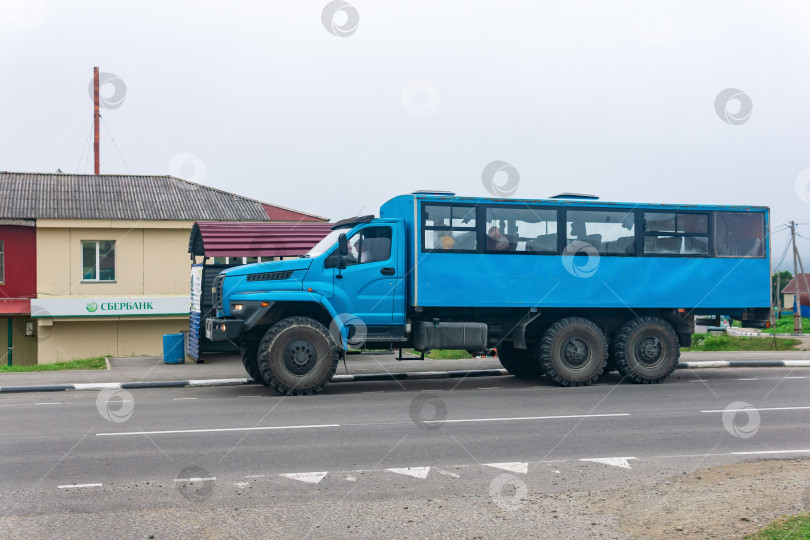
x=110 y=306
x=196 y=287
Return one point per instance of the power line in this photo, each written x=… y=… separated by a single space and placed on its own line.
x=84 y=150
x=115 y=144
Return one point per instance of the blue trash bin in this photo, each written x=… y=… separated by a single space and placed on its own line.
x=173 y=349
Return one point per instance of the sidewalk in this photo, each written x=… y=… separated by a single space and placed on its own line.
x=222 y=366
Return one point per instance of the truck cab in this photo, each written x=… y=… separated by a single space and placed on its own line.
x=348 y=290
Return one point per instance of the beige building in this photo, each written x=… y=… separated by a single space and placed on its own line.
x=112 y=256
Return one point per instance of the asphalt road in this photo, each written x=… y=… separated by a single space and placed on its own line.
x=71 y=454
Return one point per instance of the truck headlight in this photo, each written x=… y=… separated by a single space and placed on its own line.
x=238 y=307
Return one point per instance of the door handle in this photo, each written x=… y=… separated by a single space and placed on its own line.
x=388 y=271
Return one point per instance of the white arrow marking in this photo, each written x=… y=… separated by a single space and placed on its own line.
x=416 y=472
x=615 y=461
x=517 y=467
x=308 y=477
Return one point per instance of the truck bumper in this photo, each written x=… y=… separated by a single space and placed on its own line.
x=223 y=329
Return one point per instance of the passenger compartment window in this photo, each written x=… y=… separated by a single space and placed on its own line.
x=672 y=233
x=738 y=234
x=368 y=245
x=521 y=229
x=451 y=228
x=610 y=232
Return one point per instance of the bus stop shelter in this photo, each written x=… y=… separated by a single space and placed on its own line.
x=215 y=246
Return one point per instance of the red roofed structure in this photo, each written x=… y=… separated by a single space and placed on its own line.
x=235 y=239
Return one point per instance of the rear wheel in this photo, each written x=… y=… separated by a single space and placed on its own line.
x=573 y=352
x=250 y=360
x=297 y=356
x=646 y=350
x=519 y=362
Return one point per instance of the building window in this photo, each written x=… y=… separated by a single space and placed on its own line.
x=98 y=260
x=2 y=264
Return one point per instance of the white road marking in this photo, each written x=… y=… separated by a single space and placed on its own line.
x=214 y=430
x=308 y=477
x=771 y=452
x=241 y=484
x=524 y=418
x=518 y=467
x=250 y=396
x=182 y=398
x=350 y=478
x=746 y=379
x=49 y=403
x=416 y=472
x=447 y=473
x=758 y=409
x=207 y=479
x=796 y=377
x=615 y=461
x=71 y=486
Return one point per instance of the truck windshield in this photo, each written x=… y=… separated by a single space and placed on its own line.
x=327 y=242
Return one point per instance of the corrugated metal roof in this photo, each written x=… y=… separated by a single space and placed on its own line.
x=255 y=239
x=107 y=196
x=15 y=306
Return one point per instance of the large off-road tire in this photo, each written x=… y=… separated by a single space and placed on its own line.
x=250 y=360
x=646 y=350
x=297 y=356
x=573 y=352
x=521 y=363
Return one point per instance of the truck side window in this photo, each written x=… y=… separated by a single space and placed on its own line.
x=669 y=233
x=521 y=229
x=372 y=244
x=610 y=232
x=738 y=234
x=451 y=228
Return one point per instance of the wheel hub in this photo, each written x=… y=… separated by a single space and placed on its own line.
x=300 y=357
x=575 y=352
x=649 y=350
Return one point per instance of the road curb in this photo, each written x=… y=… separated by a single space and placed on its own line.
x=414 y=375
x=764 y=335
x=743 y=364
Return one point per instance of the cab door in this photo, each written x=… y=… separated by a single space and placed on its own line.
x=369 y=284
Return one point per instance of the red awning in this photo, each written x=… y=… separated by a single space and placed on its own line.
x=232 y=239
x=15 y=306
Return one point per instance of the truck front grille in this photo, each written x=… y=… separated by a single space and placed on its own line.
x=216 y=292
x=270 y=276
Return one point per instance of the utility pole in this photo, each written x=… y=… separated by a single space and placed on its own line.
x=96 y=116
x=797 y=317
x=804 y=280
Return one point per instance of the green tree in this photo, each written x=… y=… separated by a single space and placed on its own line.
x=784 y=279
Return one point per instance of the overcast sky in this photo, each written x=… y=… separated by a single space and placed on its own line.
x=329 y=108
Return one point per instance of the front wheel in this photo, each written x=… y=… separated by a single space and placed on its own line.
x=297 y=356
x=646 y=350
x=573 y=352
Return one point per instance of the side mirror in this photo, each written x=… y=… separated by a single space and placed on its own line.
x=343 y=245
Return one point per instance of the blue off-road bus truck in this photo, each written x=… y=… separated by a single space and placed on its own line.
x=566 y=287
